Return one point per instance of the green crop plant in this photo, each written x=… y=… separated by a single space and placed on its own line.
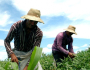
x=7 y=65
x=35 y=57
x=80 y=62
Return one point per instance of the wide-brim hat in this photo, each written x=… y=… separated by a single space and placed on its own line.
x=33 y=14
x=71 y=29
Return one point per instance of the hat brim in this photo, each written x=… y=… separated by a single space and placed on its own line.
x=71 y=31
x=32 y=18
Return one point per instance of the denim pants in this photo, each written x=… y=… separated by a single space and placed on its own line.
x=58 y=56
x=19 y=59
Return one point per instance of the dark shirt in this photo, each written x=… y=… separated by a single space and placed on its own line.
x=60 y=42
x=22 y=41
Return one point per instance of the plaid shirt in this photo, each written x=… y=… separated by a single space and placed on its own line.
x=22 y=41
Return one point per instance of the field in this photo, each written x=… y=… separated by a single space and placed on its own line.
x=80 y=62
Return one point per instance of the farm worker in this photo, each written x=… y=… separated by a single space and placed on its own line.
x=26 y=36
x=59 y=49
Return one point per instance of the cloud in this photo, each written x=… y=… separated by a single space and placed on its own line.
x=4 y=17
x=49 y=45
x=86 y=48
x=2 y=43
x=4 y=1
x=4 y=30
x=85 y=45
x=74 y=10
x=51 y=32
x=12 y=44
x=81 y=30
x=78 y=51
x=3 y=55
x=47 y=49
x=75 y=47
x=77 y=9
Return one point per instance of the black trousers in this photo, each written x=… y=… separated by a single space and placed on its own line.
x=58 y=56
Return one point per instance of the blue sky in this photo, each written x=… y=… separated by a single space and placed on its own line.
x=56 y=14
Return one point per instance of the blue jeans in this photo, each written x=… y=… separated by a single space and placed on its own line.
x=58 y=56
x=19 y=59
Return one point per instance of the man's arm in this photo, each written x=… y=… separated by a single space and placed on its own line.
x=8 y=39
x=70 y=46
x=38 y=41
x=59 y=44
x=38 y=38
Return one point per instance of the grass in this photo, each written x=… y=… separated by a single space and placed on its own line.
x=80 y=62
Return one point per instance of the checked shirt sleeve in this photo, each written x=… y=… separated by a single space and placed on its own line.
x=8 y=39
x=38 y=38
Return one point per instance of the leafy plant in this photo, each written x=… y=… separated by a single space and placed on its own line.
x=36 y=54
x=7 y=65
x=80 y=62
x=47 y=62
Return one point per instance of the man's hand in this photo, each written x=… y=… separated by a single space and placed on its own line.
x=14 y=58
x=25 y=67
x=71 y=55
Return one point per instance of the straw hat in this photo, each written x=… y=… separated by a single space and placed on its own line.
x=71 y=29
x=33 y=14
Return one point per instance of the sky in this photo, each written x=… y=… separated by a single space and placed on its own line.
x=57 y=16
